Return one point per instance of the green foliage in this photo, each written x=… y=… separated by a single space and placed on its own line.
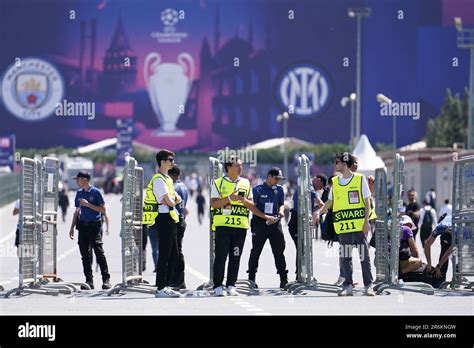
x=450 y=126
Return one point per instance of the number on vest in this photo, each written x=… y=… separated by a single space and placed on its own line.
x=347 y=226
x=235 y=221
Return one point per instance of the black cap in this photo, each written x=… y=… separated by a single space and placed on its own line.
x=276 y=172
x=175 y=171
x=83 y=174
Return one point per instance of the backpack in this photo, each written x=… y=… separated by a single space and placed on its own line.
x=328 y=233
x=427 y=220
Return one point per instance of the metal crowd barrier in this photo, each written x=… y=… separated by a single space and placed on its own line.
x=306 y=234
x=30 y=228
x=48 y=246
x=381 y=227
x=462 y=226
x=216 y=171
x=392 y=247
x=131 y=232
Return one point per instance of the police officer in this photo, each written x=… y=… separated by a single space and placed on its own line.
x=231 y=200
x=269 y=198
x=181 y=189
x=350 y=200
x=89 y=207
x=159 y=212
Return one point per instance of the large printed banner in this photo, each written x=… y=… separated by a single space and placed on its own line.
x=204 y=74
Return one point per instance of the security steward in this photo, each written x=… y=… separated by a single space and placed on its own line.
x=231 y=200
x=350 y=200
x=178 y=276
x=88 y=220
x=159 y=211
x=269 y=198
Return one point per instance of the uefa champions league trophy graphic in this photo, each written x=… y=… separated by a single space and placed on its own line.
x=168 y=87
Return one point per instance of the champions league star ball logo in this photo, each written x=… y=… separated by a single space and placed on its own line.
x=31 y=89
x=169 y=17
x=304 y=89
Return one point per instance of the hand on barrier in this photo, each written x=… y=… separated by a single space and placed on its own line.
x=366 y=227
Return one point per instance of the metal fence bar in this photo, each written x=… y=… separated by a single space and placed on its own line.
x=30 y=228
x=381 y=226
x=306 y=234
x=131 y=232
x=48 y=248
x=391 y=279
x=215 y=172
x=462 y=229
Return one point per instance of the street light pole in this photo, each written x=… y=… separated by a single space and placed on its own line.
x=359 y=14
x=352 y=98
x=383 y=99
x=284 y=118
x=465 y=39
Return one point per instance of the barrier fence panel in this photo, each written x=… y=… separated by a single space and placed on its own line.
x=131 y=232
x=391 y=281
x=462 y=235
x=381 y=227
x=49 y=179
x=215 y=172
x=30 y=227
x=306 y=234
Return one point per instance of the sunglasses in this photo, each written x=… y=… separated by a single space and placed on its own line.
x=170 y=159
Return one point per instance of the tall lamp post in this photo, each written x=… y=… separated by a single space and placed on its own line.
x=284 y=118
x=383 y=99
x=358 y=13
x=466 y=40
x=344 y=101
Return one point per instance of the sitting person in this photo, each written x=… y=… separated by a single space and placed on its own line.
x=408 y=254
x=443 y=229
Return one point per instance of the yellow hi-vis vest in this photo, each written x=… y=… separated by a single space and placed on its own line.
x=234 y=214
x=150 y=205
x=372 y=215
x=348 y=205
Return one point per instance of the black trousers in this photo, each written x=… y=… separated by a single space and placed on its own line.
x=229 y=241
x=260 y=233
x=293 y=230
x=424 y=235
x=178 y=277
x=90 y=238
x=168 y=250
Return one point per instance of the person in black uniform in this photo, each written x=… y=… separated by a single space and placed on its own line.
x=269 y=199
x=90 y=206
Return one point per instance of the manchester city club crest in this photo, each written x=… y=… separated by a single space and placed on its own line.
x=31 y=89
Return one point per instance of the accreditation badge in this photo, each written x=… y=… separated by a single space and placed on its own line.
x=354 y=197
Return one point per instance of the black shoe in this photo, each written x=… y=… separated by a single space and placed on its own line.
x=106 y=285
x=90 y=282
x=252 y=277
x=283 y=284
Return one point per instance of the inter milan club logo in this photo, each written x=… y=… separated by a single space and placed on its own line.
x=304 y=90
x=31 y=89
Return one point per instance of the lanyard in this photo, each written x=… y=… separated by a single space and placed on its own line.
x=235 y=188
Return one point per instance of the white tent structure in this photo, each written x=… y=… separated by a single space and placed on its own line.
x=368 y=159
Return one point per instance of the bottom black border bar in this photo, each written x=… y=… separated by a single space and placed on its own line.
x=196 y=330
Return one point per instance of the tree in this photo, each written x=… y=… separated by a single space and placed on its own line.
x=451 y=125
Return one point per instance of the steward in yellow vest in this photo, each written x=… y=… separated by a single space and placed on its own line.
x=231 y=200
x=160 y=213
x=350 y=201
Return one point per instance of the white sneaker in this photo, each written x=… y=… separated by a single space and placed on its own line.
x=220 y=292
x=167 y=293
x=232 y=291
x=346 y=291
x=339 y=281
x=369 y=291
